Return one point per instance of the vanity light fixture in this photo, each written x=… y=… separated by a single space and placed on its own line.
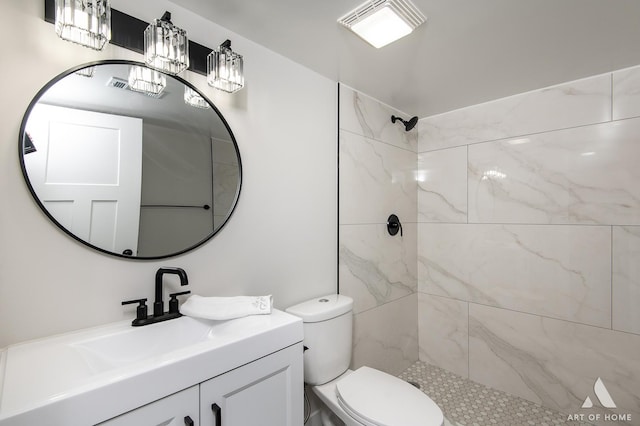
x=380 y=22
x=225 y=69
x=166 y=47
x=86 y=22
x=191 y=97
x=147 y=81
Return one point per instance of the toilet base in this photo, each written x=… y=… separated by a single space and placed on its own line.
x=328 y=418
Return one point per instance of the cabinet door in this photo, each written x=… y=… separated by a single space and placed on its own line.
x=266 y=392
x=179 y=409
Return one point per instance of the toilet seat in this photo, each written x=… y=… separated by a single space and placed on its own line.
x=375 y=398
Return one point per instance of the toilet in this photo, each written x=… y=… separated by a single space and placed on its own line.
x=366 y=396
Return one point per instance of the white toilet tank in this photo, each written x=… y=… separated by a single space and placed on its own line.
x=328 y=323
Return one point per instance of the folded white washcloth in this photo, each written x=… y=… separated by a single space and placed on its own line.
x=224 y=308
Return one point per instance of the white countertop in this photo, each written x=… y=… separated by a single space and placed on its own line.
x=50 y=379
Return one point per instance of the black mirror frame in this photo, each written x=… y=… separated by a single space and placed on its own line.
x=22 y=142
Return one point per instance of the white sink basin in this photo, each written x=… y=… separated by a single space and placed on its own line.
x=89 y=367
x=126 y=346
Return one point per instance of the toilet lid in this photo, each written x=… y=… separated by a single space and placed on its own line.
x=375 y=398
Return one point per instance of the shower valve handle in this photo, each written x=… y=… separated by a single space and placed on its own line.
x=394 y=225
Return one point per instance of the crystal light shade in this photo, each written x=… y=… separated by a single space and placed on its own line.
x=86 y=72
x=86 y=22
x=146 y=80
x=166 y=47
x=193 y=98
x=225 y=69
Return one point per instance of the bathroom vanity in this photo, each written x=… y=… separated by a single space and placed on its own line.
x=184 y=371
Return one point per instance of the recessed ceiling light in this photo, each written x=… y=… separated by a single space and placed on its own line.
x=380 y=22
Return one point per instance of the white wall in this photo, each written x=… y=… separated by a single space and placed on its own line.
x=280 y=240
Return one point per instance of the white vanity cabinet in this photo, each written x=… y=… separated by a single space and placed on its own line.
x=169 y=373
x=265 y=392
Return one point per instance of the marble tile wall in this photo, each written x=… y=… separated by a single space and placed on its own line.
x=386 y=337
x=529 y=243
x=585 y=175
x=443 y=333
x=626 y=93
x=376 y=268
x=558 y=272
x=567 y=105
x=626 y=279
x=554 y=363
x=442 y=185
x=363 y=115
x=377 y=178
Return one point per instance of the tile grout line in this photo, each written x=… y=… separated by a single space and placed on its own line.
x=503 y=308
x=338 y=145
x=541 y=132
x=611 y=112
x=377 y=140
x=467 y=183
x=611 y=279
x=468 y=340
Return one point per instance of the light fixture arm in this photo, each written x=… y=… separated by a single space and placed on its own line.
x=166 y=17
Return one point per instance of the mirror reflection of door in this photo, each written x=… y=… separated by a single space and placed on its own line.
x=183 y=169
x=87 y=172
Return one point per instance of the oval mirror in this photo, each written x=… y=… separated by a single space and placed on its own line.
x=129 y=161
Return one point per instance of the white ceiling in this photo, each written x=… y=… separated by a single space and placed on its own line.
x=468 y=52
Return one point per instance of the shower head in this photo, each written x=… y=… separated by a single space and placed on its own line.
x=408 y=125
x=411 y=123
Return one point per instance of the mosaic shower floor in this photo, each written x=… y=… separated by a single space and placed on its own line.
x=467 y=403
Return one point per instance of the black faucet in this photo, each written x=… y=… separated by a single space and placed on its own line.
x=158 y=306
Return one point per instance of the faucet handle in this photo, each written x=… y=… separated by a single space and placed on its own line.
x=141 y=311
x=173 y=301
